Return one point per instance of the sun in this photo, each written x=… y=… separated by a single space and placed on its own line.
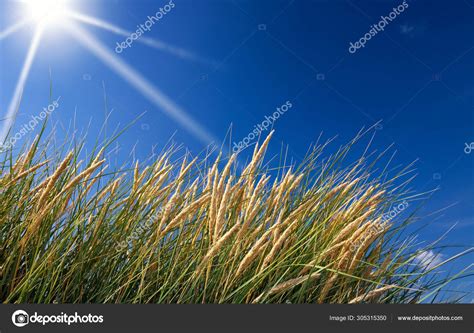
x=46 y=12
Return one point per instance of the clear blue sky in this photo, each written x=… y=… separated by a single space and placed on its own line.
x=250 y=57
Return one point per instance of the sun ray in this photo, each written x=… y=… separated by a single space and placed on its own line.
x=15 y=101
x=13 y=28
x=154 y=43
x=145 y=87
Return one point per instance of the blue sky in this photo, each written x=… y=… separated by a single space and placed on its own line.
x=250 y=57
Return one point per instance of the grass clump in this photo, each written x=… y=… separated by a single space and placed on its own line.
x=203 y=231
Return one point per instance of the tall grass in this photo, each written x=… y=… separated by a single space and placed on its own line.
x=182 y=230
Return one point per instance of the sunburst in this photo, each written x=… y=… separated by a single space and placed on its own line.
x=48 y=14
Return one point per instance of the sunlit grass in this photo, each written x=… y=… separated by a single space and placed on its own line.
x=181 y=230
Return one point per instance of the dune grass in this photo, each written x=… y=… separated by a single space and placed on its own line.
x=182 y=230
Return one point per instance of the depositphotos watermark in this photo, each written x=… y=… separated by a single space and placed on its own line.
x=395 y=211
x=146 y=26
x=136 y=233
x=30 y=126
x=377 y=227
x=263 y=126
x=380 y=26
x=21 y=318
x=468 y=147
